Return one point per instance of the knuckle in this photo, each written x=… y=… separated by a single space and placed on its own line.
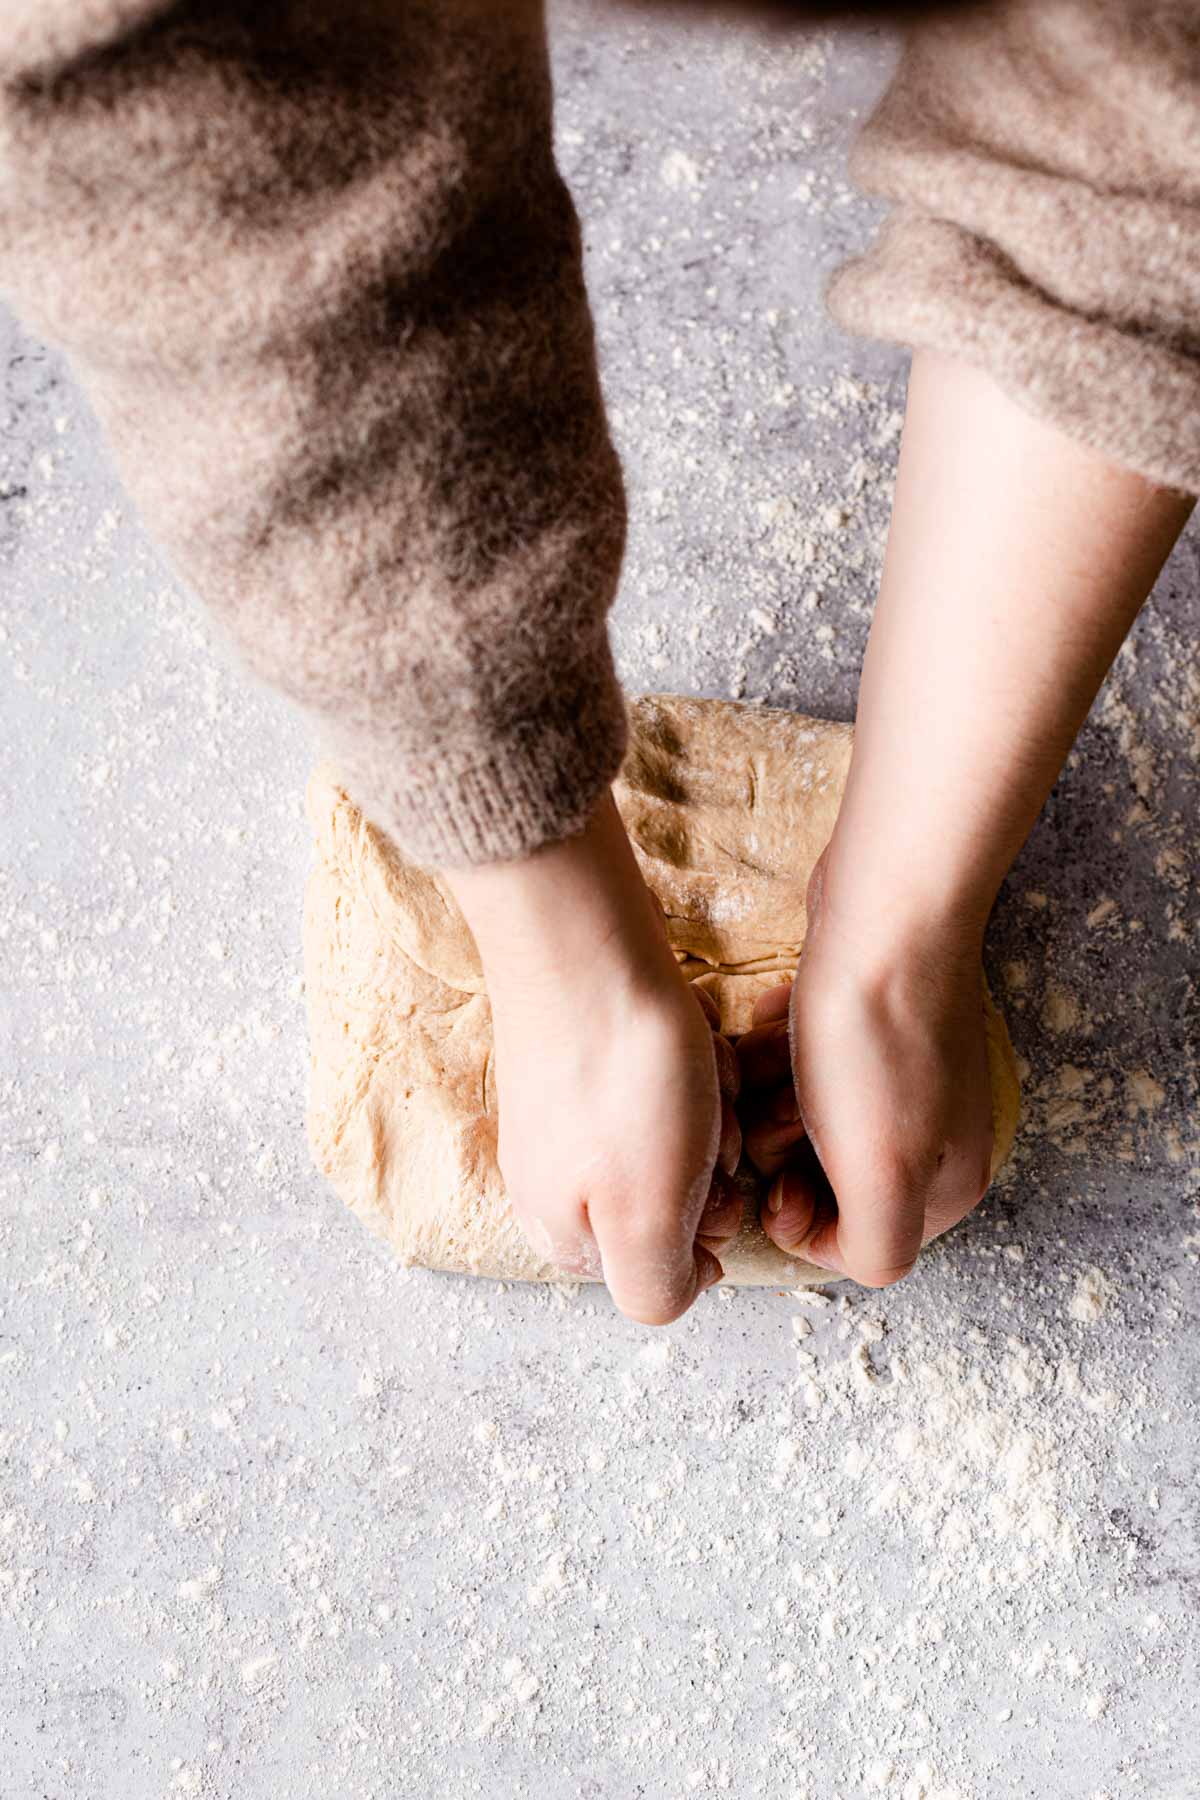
x=645 y=1282
x=636 y=1240
x=722 y=1206
x=717 y=1240
x=652 y=1316
x=873 y=1276
x=906 y=1177
x=653 y=1285
x=728 y=1067
x=648 y=1230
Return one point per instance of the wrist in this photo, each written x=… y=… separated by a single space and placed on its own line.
x=577 y=908
x=885 y=913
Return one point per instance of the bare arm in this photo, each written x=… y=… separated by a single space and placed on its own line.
x=1017 y=561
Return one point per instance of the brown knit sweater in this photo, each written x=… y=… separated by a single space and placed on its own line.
x=317 y=272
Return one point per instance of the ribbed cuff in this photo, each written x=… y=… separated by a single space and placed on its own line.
x=932 y=286
x=537 y=781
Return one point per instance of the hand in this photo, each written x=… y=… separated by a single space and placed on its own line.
x=877 y=1052
x=1016 y=562
x=617 y=1127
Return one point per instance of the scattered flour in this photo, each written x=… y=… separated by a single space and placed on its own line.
x=267 y=1502
x=1090 y=1300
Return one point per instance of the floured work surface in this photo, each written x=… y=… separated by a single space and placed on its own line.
x=728 y=808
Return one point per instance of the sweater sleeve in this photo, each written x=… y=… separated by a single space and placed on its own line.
x=1043 y=161
x=321 y=282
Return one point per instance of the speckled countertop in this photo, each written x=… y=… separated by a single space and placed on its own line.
x=277 y=1517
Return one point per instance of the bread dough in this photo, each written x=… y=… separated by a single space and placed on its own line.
x=728 y=808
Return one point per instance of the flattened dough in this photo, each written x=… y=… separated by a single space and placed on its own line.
x=728 y=808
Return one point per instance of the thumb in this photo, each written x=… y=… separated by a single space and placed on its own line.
x=856 y=1217
x=654 y=1275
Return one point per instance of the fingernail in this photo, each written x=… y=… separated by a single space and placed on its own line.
x=775 y=1197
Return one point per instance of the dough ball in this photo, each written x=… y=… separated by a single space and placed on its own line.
x=728 y=808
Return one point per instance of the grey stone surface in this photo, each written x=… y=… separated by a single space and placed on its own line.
x=277 y=1517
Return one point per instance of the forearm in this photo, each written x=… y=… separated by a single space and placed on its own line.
x=317 y=272
x=1016 y=563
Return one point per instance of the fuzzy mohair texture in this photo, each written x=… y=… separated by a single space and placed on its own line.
x=318 y=274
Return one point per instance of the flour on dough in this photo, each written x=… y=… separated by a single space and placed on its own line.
x=728 y=808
